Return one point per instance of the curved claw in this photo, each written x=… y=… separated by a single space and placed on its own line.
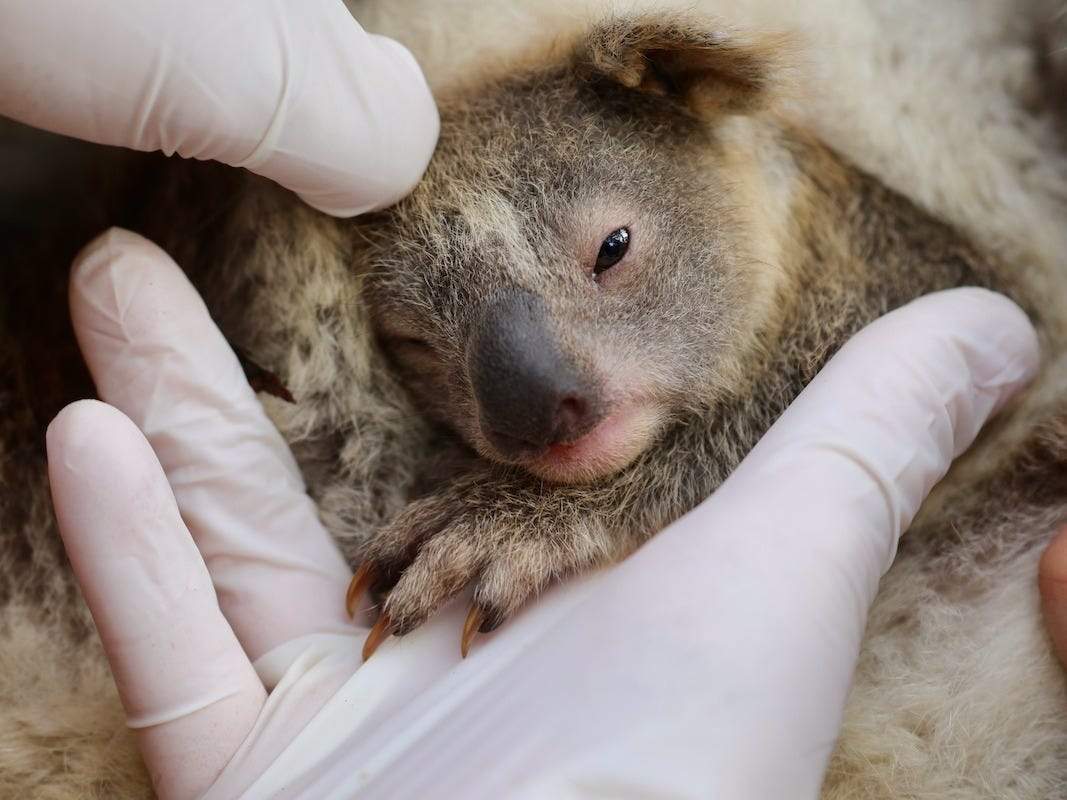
x=363 y=578
x=475 y=617
x=381 y=631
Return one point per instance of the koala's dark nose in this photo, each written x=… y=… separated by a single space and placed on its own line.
x=530 y=394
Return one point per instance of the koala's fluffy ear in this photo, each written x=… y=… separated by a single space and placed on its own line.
x=707 y=70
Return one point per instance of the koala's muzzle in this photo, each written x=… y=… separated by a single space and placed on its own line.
x=530 y=395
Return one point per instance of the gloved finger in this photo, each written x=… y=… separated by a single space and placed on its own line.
x=1052 y=581
x=859 y=450
x=155 y=353
x=297 y=92
x=187 y=686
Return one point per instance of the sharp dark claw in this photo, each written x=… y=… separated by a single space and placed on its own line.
x=378 y=634
x=363 y=578
x=474 y=621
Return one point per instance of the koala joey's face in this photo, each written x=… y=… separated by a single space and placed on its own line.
x=570 y=277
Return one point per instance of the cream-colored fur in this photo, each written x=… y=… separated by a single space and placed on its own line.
x=62 y=730
x=941 y=101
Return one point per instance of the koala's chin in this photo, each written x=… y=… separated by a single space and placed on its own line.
x=613 y=444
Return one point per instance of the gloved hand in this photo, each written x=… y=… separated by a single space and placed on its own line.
x=714 y=662
x=296 y=92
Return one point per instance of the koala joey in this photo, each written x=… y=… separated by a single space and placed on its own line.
x=621 y=266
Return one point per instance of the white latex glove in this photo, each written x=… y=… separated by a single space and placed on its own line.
x=714 y=662
x=295 y=91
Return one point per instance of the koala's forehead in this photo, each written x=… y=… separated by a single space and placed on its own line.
x=550 y=135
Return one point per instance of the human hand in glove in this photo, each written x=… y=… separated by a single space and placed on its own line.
x=296 y=92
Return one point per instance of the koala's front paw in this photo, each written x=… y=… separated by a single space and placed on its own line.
x=509 y=537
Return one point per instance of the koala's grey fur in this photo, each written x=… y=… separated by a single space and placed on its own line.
x=758 y=251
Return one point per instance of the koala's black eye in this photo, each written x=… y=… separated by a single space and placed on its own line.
x=612 y=250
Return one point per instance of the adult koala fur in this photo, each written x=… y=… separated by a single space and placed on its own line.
x=755 y=249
